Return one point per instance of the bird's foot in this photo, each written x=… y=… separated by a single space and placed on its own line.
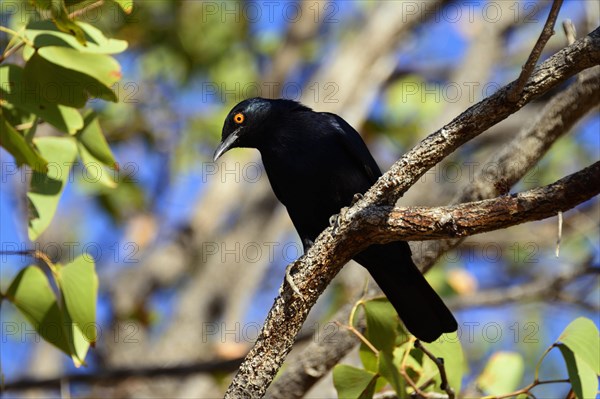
x=307 y=243
x=290 y=280
x=357 y=197
x=334 y=221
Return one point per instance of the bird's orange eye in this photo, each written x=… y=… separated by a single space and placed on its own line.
x=238 y=118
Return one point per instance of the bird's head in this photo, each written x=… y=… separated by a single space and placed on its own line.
x=255 y=121
x=244 y=125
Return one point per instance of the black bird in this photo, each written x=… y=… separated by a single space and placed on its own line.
x=316 y=162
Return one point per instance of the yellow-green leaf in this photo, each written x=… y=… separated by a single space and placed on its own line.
x=44 y=33
x=66 y=76
x=92 y=138
x=353 y=383
x=126 y=5
x=584 y=379
x=46 y=189
x=30 y=292
x=382 y=321
x=42 y=4
x=502 y=374
x=389 y=371
x=24 y=152
x=78 y=284
x=95 y=171
x=581 y=336
x=61 y=19
x=104 y=68
x=27 y=95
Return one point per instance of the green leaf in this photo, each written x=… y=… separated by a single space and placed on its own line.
x=502 y=374
x=42 y=4
x=411 y=364
x=27 y=95
x=126 y=5
x=455 y=363
x=69 y=77
x=584 y=379
x=46 y=189
x=15 y=143
x=389 y=371
x=382 y=321
x=105 y=69
x=78 y=284
x=61 y=19
x=368 y=358
x=32 y=295
x=44 y=33
x=351 y=382
x=79 y=344
x=95 y=172
x=95 y=153
x=581 y=336
x=92 y=138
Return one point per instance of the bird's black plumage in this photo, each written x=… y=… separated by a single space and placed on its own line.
x=316 y=162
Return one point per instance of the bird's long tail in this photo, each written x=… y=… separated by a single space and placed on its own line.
x=420 y=308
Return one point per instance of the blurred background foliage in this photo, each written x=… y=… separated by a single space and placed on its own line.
x=191 y=253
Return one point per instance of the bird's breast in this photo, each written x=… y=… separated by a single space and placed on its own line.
x=313 y=187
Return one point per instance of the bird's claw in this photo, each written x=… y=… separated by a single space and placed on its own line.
x=357 y=197
x=334 y=221
x=307 y=243
x=290 y=280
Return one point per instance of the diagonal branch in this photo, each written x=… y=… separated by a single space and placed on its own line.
x=583 y=54
x=439 y=362
x=334 y=248
x=546 y=34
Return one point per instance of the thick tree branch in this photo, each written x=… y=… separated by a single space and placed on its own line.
x=385 y=224
x=334 y=248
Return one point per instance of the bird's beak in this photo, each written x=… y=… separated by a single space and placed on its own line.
x=226 y=144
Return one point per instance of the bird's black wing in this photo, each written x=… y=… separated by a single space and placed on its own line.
x=356 y=147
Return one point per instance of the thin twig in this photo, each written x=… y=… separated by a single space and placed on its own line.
x=81 y=11
x=34 y=253
x=547 y=32
x=108 y=376
x=439 y=362
x=570 y=31
x=571 y=34
x=358 y=334
x=560 y=226
x=405 y=374
x=11 y=51
x=528 y=388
